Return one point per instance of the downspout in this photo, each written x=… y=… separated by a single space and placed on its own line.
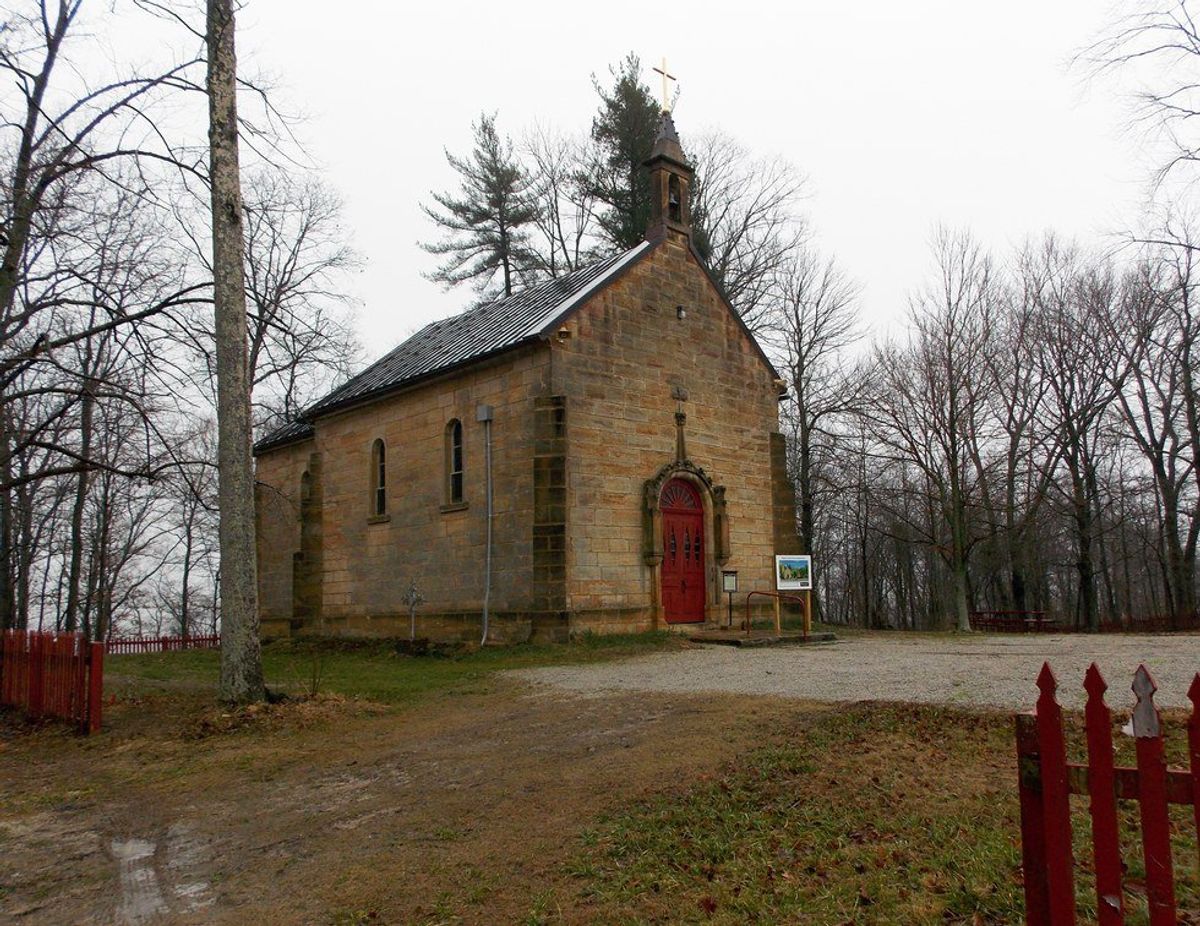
x=484 y=413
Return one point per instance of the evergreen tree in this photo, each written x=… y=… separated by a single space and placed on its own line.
x=623 y=133
x=486 y=223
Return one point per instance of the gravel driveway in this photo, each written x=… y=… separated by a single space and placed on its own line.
x=984 y=671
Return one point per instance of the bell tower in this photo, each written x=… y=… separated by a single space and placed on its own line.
x=670 y=180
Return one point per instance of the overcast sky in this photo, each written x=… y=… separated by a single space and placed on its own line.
x=900 y=115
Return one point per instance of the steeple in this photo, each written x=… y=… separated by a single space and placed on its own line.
x=670 y=178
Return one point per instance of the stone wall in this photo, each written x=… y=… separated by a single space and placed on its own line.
x=280 y=475
x=367 y=562
x=628 y=358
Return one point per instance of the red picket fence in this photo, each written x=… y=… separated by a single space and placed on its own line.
x=1047 y=780
x=53 y=675
x=161 y=644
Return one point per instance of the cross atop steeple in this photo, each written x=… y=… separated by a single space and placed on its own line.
x=666 y=102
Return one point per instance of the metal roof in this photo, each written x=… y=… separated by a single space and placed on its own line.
x=461 y=339
x=292 y=431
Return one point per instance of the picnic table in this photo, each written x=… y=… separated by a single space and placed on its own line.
x=1013 y=621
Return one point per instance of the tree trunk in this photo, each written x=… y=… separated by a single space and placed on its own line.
x=958 y=550
x=71 y=618
x=241 y=656
x=804 y=480
x=185 y=597
x=1084 y=567
x=8 y=616
x=962 y=611
x=97 y=616
x=25 y=548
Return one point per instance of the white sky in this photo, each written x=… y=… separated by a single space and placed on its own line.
x=901 y=115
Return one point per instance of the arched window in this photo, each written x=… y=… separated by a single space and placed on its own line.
x=454 y=462
x=378 y=478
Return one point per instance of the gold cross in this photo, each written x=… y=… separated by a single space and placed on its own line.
x=666 y=90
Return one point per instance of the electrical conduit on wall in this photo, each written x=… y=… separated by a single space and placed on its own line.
x=484 y=413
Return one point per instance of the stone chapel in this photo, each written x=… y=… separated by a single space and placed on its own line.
x=586 y=454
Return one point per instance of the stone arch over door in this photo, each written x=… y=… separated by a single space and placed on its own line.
x=715 y=529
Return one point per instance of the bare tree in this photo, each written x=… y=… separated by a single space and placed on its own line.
x=195 y=508
x=929 y=396
x=1155 y=334
x=66 y=159
x=1157 y=45
x=297 y=259
x=566 y=222
x=746 y=221
x=1072 y=299
x=810 y=323
x=1028 y=451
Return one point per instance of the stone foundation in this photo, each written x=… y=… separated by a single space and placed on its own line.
x=509 y=626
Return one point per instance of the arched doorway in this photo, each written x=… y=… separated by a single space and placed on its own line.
x=683 y=553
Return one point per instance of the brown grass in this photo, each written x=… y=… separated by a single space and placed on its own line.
x=472 y=800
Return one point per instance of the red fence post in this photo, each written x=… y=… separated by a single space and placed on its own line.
x=16 y=669
x=1194 y=749
x=1056 y=802
x=8 y=664
x=36 y=675
x=79 y=689
x=1106 y=842
x=52 y=699
x=95 y=693
x=26 y=662
x=1152 y=791
x=1033 y=829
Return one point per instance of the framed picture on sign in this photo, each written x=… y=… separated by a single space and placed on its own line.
x=793 y=572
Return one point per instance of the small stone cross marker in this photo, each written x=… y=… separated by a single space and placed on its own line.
x=412 y=598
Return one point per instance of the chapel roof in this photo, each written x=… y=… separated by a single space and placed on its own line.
x=461 y=339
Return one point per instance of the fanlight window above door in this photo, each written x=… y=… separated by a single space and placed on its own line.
x=678 y=495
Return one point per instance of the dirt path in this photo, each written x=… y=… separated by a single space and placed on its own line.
x=466 y=809
x=445 y=813
x=972 y=671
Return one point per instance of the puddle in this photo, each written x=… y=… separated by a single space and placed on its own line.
x=141 y=897
x=160 y=878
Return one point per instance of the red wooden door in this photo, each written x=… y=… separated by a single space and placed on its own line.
x=683 y=553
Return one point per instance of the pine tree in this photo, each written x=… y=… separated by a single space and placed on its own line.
x=487 y=222
x=623 y=132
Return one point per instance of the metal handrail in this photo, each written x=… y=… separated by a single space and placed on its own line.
x=782 y=597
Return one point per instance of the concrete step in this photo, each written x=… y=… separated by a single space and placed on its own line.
x=760 y=638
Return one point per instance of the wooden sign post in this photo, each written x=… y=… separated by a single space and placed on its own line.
x=729 y=585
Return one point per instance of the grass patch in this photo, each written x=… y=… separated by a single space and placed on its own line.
x=374 y=671
x=864 y=814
